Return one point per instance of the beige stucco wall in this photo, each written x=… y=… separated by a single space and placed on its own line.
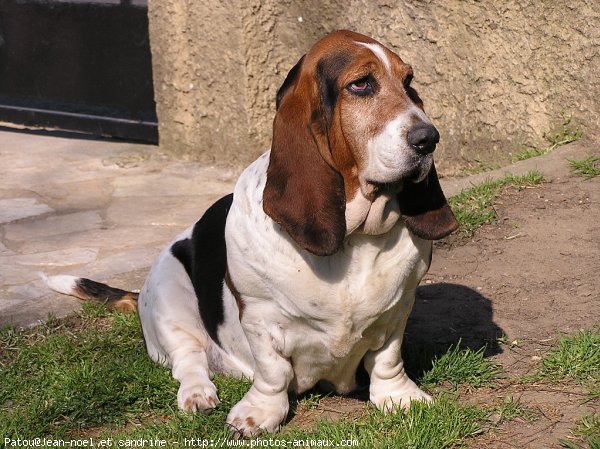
x=493 y=75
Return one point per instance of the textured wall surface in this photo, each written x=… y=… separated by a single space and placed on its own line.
x=493 y=75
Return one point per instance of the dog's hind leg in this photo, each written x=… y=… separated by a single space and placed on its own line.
x=188 y=358
x=175 y=335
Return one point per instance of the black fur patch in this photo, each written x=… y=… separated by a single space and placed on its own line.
x=204 y=258
x=414 y=96
x=328 y=70
x=182 y=250
x=102 y=292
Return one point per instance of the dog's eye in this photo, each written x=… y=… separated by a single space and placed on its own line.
x=363 y=86
x=359 y=86
x=408 y=80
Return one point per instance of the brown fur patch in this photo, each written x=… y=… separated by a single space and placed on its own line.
x=126 y=304
x=188 y=404
x=235 y=293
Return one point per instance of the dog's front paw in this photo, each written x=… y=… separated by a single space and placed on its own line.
x=257 y=413
x=200 y=397
x=400 y=397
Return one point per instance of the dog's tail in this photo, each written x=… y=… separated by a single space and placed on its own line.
x=86 y=289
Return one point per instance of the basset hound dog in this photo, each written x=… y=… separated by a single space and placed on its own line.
x=311 y=265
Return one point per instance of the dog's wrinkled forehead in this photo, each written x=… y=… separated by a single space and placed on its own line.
x=339 y=58
x=346 y=51
x=345 y=57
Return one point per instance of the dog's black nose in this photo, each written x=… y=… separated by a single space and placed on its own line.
x=423 y=138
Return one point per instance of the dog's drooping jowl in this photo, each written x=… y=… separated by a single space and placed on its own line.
x=311 y=265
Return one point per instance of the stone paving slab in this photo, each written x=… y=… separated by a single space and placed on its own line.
x=93 y=208
x=17 y=208
x=105 y=209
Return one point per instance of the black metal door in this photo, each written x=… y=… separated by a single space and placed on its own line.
x=78 y=65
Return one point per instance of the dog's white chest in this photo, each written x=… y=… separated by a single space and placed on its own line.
x=354 y=288
x=346 y=317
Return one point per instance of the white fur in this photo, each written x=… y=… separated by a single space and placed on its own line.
x=306 y=318
x=379 y=52
x=62 y=283
x=371 y=217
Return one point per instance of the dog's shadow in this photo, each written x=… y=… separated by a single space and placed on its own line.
x=447 y=315
x=444 y=315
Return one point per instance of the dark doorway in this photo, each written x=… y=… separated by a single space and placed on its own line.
x=78 y=65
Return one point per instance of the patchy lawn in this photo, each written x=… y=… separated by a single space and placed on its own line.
x=504 y=335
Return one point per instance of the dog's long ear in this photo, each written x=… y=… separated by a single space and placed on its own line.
x=425 y=210
x=289 y=81
x=303 y=192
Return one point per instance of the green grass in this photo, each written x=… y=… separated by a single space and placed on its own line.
x=442 y=424
x=587 y=168
x=90 y=376
x=576 y=358
x=590 y=428
x=511 y=409
x=311 y=400
x=552 y=140
x=591 y=443
x=61 y=379
x=587 y=432
x=93 y=372
x=462 y=367
x=475 y=207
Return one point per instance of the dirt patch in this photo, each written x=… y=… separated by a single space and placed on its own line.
x=333 y=408
x=532 y=277
x=529 y=278
x=555 y=411
x=539 y=264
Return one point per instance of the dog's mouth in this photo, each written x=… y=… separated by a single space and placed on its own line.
x=414 y=170
x=376 y=188
x=373 y=188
